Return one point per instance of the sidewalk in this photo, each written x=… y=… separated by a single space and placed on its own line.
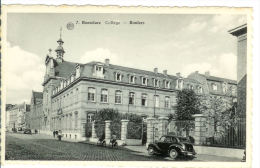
x=141 y=150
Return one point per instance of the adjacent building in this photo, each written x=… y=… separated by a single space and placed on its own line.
x=16 y=116
x=241 y=34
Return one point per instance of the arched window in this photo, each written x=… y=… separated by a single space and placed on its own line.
x=144 y=99
x=104 y=96
x=118 y=97
x=131 y=98
x=167 y=102
x=91 y=94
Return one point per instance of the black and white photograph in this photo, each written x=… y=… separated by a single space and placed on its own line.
x=96 y=85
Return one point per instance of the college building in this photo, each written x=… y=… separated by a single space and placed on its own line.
x=73 y=92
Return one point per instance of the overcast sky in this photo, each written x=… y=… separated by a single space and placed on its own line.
x=178 y=43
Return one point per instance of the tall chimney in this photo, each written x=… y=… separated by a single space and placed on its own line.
x=207 y=73
x=155 y=70
x=107 y=62
x=165 y=72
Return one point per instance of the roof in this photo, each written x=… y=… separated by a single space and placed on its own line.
x=134 y=70
x=38 y=95
x=239 y=30
x=191 y=80
x=214 y=78
x=65 y=69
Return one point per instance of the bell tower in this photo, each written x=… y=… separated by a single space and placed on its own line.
x=60 y=51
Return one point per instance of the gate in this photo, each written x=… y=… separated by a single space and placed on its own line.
x=100 y=129
x=115 y=128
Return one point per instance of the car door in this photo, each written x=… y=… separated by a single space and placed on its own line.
x=167 y=143
x=160 y=143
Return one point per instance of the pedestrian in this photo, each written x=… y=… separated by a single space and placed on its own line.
x=59 y=135
x=54 y=133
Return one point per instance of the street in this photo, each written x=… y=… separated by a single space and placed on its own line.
x=44 y=147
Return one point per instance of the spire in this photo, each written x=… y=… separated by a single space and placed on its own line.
x=60 y=51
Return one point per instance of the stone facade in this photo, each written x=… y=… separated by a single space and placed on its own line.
x=16 y=116
x=73 y=92
x=241 y=34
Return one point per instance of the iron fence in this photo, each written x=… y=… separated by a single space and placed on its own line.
x=232 y=135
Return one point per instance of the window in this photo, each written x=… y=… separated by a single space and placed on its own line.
x=131 y=98
x=132 y=79
x=214 y=86
x=144 y=81
x=77 y=71
x=91 y=94
x=144 y=100
x=99 y=71
x=118 y=97
x=199 y=89
x=179 y=84
x=156 y=83
x=156 y=100
x=167 y=84
x=167 y=102
x=104 y=96
x=118 y=77
x=224 y=87
x=90 y=117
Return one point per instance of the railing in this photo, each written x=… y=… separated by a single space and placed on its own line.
x=231 y=136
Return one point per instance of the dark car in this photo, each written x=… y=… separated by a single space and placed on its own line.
x=172 y=146
x=27 y=131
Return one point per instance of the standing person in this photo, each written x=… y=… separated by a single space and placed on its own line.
x=59 y=135
x=54 y=133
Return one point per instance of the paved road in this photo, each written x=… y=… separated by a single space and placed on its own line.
x=39 y=147
x=42 y=147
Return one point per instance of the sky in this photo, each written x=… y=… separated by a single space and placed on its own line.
x=177 y=42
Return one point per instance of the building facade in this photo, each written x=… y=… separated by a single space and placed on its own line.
x=241 y=34
x=73 y=92
x=16 y=116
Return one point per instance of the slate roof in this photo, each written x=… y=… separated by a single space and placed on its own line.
x=191 y=80
x=134 y=70
x=64 y=69
x=218 y=79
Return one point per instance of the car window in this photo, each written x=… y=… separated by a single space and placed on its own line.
x=162 y=139
x=167 y=139
x=174 y=140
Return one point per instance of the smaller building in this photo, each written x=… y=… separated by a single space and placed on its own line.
x=16 y=116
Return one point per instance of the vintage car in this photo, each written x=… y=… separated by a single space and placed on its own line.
x=172 y=146
x=27 y=131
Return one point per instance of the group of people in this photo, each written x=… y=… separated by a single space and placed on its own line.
x=58 y=134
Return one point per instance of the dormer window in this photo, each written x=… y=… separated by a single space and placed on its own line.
x=214 y=87
x=156 y=83
x=179 y=84
x=144 y=81
x=224 y=86
x=118 y=76
x=77 y=71
x=72 y=77
x=131 y=79
x=99 y=71
x=167 y=84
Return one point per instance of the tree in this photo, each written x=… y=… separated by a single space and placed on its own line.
x=187 y=105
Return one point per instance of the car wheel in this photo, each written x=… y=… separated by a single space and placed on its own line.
x=173 y=153
x=151 y=150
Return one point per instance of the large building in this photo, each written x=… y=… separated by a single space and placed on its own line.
x=241 y=34
x=73 y=92
x=16 y=116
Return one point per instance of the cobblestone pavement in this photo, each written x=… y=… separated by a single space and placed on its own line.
x=44 y=147
x=39 y=147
